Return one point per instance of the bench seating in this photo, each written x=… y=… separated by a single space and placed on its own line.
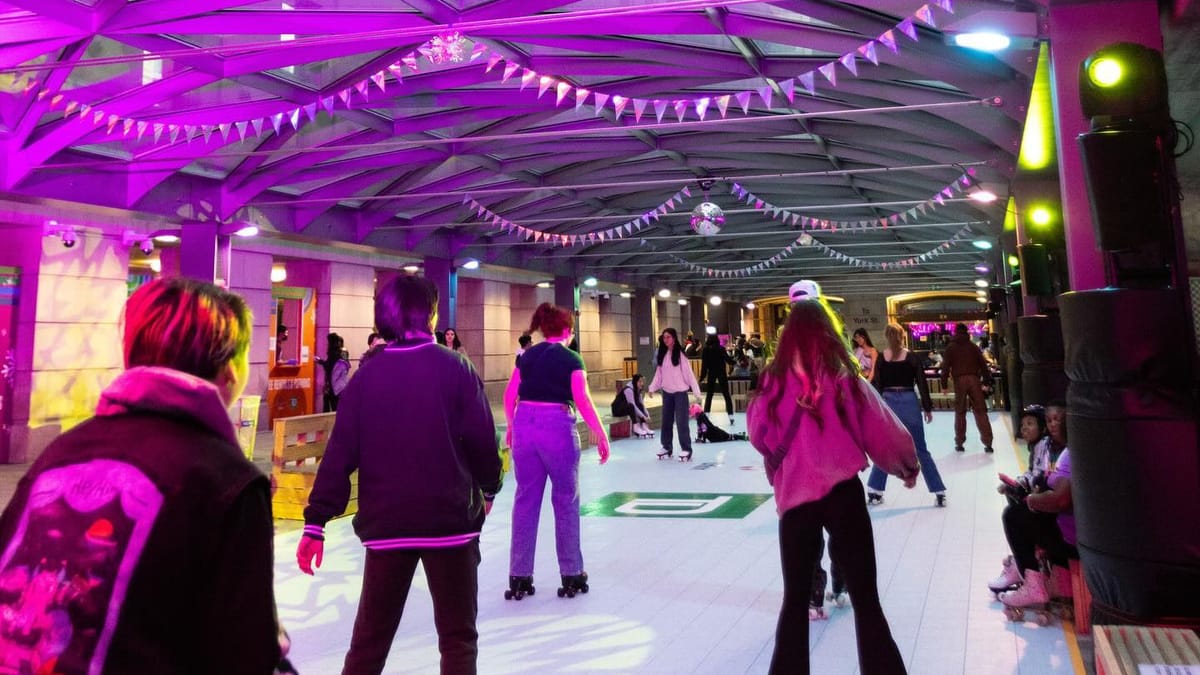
x=739 y=392
x=299 y=447
x=1121 y=649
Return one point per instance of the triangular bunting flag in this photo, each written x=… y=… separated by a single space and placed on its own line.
x=527 y=77
x=660 y=108
x=127 y=127
x=908 y=28
x=277 y=122
x=112 y=123
x=310 y=111
x=580 y=97
x=828 y=70
x=561 y=92
x=639 y=107
x=344 y=95
x=478 y=50
x=743 y=99
x=206 y=130
x=327 y=104
x=158 y=129
x=141 y=129
x=925 y=15
x=599 y=101
x=492 y=61
x=888 y=39
x=189 y=132
x=765 y=93
x=867 y=51
x=808 y=81
x=947 y=5
x=361 y=87
x=224 y=128
x=723 y=104
x=847 y=60
x=380 y=79
x=294 y=118
x=509 y=69
x=619 y=103
x=544 y=83
x=789 y=89
x=681 y=107
x=397 y=70
x=258 y=126
x=702 y=106
x=173 y=132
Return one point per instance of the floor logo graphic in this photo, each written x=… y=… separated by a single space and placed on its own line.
x=674 y=505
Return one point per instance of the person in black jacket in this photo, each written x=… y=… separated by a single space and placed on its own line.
x=141 y=540
x=713 y=364
x=428 y=468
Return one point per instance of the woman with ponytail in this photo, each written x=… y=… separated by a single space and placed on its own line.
x=547 y=390
x=815 y=420
x=675 y=379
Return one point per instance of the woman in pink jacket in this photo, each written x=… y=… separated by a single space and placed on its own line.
x=815 y=421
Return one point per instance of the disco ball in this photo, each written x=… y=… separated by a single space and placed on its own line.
x=707 y=219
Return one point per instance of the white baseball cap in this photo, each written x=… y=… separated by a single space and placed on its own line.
x=805 y=289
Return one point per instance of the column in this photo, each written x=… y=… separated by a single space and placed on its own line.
x=442 y=273
x=695 y=313
x=250 y=277
x=643 y=339
x=1076 y=30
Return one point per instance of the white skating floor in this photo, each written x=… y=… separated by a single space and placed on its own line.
x=692 y=594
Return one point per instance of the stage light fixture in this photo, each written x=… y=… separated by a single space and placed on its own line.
x=1123 y=81
x=470 y=264
x=1014 y=261
x=412 y=268
x=1041 y=215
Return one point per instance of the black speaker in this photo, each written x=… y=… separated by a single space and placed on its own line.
x=1035 y=269
x=1127 y=187
x=997 y=295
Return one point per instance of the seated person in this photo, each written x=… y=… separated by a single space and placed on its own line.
x=1044 y=450
x=741 y=369
x=635 y=408
x=707 y=432
x=1042 y=519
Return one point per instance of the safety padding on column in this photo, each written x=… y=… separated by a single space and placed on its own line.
x=1043 y=382
x=1041 y=338
x=1144 y=400
x=1134 y=484
x=1012 y=352
x=1126 y=336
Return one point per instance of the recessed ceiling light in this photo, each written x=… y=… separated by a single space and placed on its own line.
x=664 y=293
x=983 y=196
x=982 y=283
x=590 y=282
x=984 y=41
x=982 y=244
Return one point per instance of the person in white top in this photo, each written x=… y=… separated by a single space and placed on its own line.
x=675 y=379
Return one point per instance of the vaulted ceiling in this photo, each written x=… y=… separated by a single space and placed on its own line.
x=563 y=137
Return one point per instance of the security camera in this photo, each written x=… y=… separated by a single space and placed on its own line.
x=68 y=237
x=147 y=246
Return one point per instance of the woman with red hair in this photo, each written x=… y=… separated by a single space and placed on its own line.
x=815 y=421
x=548 y=388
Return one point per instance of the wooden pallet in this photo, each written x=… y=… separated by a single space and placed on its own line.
x=299 y=447
x=1120 y=650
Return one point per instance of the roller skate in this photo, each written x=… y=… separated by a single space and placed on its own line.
x=519 y=587
x=685 y=455
x=665 y=453
x=1030 y=597
x=874 y=499
x=572 y=584
x=817 y=613
x=1062 y=596
x=642 y=431
x=840 y=598
x=1009 y=579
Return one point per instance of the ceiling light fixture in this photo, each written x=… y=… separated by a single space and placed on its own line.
x=682 y=301
x=278 y=273
x=982 y=244
x=983 y=268
x=982 y=283
x=715 y=301
x=626 y=294
x=590 y=282
x=544 y=284
x=412 y=268
x=750 y=305
x=470 y=264
x=984 y=41
x=664 y=293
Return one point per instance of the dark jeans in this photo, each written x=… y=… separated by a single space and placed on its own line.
x=843 y=513
x=453 y=579
x=675 y=407
x=717 y=382
x=1027 y=530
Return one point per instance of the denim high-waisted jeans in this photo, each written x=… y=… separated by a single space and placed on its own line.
x=908 y=409
x=545 y=445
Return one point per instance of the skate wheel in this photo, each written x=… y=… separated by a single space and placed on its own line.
x=583 y=588
x=1043 y=619
x=562 y=592
x=1014 y=614
x=508 y=595
x=530 y=591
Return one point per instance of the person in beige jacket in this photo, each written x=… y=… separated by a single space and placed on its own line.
x=816 y=421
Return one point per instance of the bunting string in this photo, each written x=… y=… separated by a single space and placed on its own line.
x=806 y=240
x=792 y=219
x=453 y=48
x=481 y=212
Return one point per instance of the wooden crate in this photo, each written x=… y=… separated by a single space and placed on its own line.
x=1121 y=649
x=299 y=447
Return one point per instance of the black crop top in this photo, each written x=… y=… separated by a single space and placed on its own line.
x=903 y=374
x=546 y=370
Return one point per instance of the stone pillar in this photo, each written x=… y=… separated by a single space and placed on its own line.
x=643 y=341
x=443 y=275
x=695 y=314
x=1076 y=30
x=250 y=277
x=198 y=251
x=566 y=295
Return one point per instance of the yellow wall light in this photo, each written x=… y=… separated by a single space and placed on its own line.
x=1038 y=149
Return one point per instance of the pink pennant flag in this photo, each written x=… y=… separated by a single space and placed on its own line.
x=509 y=69
x=758 y=204
x=206 y=130
x=42 y=93
x=492 y=61
x=925 y=14
x=764 y=93
x=112 y=123
x=310 y=111
x=681 y=107
x=71 y=106
x=948 y=192
x=277 y=122
x=544 y=83
x=789 y=89
x=702 y=105
x=893 y=219
x=84 y=110
x=478 y=50
x=224 y=128
x=888 y=39
x=581 y=95
x=847 y=60
x=410 y=60
x=830 y=72
x=619 y=102
x=867 y=51
x=561 y=92
x=158 y=130
x=527 y=77
x=723 y=104
x=55 y=100
x=257 y=123
x=379 y=79
x=127 y=127
x=189 y=132
x=327 y=104
x=141 y=129
x=743 y=99
x=599 y=101
x=639 y=107
x=345 y=96
x=294 y=118
x=241 y=129
x=97 y=117
x=660 y=108
x=940 y=200
x=173 y=132
x=808 y=81
x=397 y=70
x=361 y=87
x=947 y=5
x=908 y=28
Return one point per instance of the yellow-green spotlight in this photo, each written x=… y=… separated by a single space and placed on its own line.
x=1040 y=216
x=1105 y=71
x=1014 y=261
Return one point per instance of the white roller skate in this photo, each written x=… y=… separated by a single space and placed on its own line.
x=840 y=599
x=1009 y=579
x=817 y=613
x=1032 y=596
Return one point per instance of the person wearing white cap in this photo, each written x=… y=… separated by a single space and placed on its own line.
x=805 y=289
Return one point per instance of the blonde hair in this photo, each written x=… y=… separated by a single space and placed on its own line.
x=895 y=337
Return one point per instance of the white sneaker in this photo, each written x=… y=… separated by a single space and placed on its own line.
x=1032 y=593
x=1010 y=577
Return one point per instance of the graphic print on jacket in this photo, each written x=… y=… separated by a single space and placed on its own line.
x=64 y=575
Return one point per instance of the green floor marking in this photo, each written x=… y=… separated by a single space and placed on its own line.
x=674 y=505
